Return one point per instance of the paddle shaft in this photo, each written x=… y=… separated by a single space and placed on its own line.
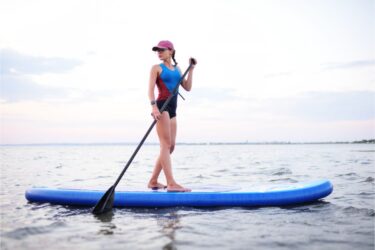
x=152 y=125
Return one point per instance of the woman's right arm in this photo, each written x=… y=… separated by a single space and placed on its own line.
x=151 y=91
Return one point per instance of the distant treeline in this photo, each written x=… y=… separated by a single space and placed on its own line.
x=365 y=141
x=275 y=143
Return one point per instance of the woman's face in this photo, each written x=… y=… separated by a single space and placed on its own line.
x=164 y=54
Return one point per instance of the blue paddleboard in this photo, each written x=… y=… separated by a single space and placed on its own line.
x=269 y=195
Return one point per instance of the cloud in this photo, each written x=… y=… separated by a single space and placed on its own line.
x=21 y=88
x=326 y=106
x=348 y=65
x=16 y=71
x=278 y=74
x=213 y=94
x=15 y=62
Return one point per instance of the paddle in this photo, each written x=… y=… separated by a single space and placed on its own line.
x=105 y=204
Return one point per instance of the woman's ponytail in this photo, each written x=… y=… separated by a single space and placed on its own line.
x=174 y=60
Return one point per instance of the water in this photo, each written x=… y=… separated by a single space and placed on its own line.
x=343 y=220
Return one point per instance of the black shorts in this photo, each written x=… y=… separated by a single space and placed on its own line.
x=171 y=107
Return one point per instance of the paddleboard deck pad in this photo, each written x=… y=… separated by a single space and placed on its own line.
x=209 y=196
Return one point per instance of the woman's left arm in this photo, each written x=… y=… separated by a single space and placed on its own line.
x=187 y=84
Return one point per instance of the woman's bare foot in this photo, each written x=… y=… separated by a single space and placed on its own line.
x=177 y=188
x=156 y=185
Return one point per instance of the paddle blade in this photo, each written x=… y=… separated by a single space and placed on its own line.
x=105 y=203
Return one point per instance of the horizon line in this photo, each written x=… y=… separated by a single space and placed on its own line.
x=364 y=141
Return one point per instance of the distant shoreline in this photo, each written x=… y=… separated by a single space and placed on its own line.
x=371 y=141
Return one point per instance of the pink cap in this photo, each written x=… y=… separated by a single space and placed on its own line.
x=163 y=45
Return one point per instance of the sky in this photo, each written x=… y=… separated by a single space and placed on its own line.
x=268 y=70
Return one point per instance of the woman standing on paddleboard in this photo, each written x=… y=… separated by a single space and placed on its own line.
x=166 y=77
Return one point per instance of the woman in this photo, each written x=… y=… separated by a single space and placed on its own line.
x=166 y=76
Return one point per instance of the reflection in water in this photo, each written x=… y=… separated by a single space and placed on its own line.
x=169 y=222
x=107 y=226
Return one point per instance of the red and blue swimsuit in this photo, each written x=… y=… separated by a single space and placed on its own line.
x=166 y=81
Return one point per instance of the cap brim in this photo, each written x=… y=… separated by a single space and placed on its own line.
x=158 y=47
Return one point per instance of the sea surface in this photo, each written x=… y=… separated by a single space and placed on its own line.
x=343 y=220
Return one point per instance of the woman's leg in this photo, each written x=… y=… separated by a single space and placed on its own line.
x=163 y=128
x=153 y=183
x=166 y=129
x=173 y=133
x=163 y=131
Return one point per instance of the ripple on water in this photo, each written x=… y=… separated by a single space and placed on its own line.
x=200 y=177
x=23 y=232
x=366 y=193
x=349 y=176
x=369 y=179
x=362 y=211
x=284 y=180
x=78 y=180
x=366 y=162
x=281 y=171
